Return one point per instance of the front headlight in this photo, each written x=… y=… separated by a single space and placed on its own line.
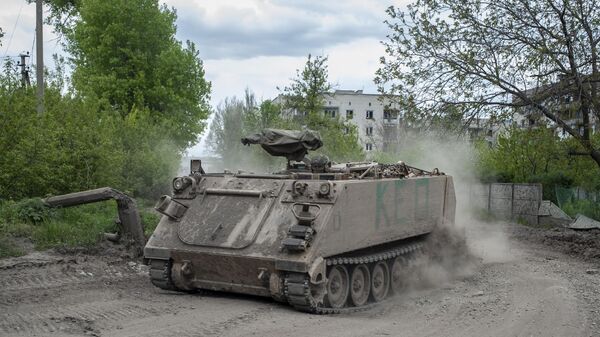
x=180 y=183
x=324 y=189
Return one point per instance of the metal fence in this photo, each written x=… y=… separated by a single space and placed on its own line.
x=508 y=201
x=565 y=195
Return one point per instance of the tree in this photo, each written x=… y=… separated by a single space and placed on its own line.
x=306 y=95
x=490 y=58
x=67 y=149
x=125 y=52
x=522 y=154
x=227 y=130
x=536 y=156
x=235 y=118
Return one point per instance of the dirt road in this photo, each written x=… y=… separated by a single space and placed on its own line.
x=517 y=288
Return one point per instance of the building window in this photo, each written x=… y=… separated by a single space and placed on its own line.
x=349 y=103
x=369 y=103
x=346 y=130
x=390 y=114
x=369 y=130
x=349 y=114
x=369 y=146
x=331 y=112
x=369 y=114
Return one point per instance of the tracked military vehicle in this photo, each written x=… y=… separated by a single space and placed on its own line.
x=321 y=236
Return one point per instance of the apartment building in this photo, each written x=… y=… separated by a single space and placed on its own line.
x=559 y=98
x=375 y=115
x=380 y=121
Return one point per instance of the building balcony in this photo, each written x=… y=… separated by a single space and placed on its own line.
x=391 y=121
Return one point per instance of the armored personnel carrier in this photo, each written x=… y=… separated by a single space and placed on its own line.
x=321 y=236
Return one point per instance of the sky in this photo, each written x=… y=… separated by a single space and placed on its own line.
x=255 y=44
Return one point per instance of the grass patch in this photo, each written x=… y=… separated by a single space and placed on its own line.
x=150 y=220
x=8 y=249
x=588 y=208
x=80 y=226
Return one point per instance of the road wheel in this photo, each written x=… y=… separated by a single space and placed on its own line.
x=380 y=281
x=399 y=275
x=360 y=285
x=338 y=287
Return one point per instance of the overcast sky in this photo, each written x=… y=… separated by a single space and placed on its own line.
x=257 y=44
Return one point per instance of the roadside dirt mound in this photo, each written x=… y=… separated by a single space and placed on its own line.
x=584 y=244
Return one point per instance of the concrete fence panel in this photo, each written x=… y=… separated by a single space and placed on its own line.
x=508 y=201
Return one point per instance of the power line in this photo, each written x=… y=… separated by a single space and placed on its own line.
x=13 y=31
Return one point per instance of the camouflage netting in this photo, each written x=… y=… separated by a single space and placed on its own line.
x=286 y=143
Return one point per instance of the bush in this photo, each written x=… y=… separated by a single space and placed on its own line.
x=150 y=221
x=550 y=181
x=80 y=226
x=47 y=227
x=33 y=211
x=76 y=226
x=588 y=208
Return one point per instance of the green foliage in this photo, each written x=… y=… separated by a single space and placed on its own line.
x=483 y=58
x=151 y=158
x=125 y=52
x=8 y=248
x=305 y=93
x=301 y=109
x=550 y=181
x=536 y=156
x=150 y=220
x=305 y=97
x=71 y=148
x=79 y=226
x=340 y=137
x=235 y=118
x=139 y=99
x=521 y=154
x=226 y=130
x=33 y=211
x=66 y=149
x=588 y=208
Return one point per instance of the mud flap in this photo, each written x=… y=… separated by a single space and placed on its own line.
x=317 y=271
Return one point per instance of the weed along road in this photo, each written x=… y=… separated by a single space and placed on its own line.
x=515 y=287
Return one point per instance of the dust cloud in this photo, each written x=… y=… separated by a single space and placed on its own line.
x=458 y=249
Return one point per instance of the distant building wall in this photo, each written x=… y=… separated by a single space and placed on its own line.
x=369 y=112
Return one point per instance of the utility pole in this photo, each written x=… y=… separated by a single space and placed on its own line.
x=24 y=70
x=39 y=43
